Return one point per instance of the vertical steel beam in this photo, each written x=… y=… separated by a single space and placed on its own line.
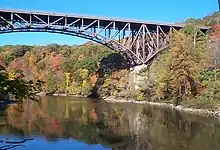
x=171 y=34
x=82 y=22
x=132 y=35
x=94 y=30
x=171 y=29
x=30 y=19
x=129 y=37
x=12 y=18
x=143 y=43
x=123 y=33
x=48 y=20
x=105 y=32
x=137 y=48
x=109 y=32
x=65 y=22
x=129 y=26
x=158 y=32
x=119 y=36
x=98 y=24
x=113 y=30
x=114 y=25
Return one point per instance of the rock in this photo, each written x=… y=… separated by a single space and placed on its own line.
x=179 y=107
x=63 y=94
x=123 y=94
x=41 y=94
x=59 y=94
x=110 y=98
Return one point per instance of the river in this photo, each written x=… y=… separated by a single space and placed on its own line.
x=81 y=124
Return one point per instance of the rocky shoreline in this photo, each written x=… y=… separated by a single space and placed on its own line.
x=42 y=94
x=206 y=112
x=111 y=99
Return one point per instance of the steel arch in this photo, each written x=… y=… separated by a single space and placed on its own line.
x=138 y=41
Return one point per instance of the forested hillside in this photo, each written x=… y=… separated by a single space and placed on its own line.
x=63 y=69
x=210 y=20
x=186 y=73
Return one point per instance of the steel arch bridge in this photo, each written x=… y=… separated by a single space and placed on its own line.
x=138 y=41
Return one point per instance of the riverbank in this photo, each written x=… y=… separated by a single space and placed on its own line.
x=42 y=94
x=204 y=112
x=111 y=99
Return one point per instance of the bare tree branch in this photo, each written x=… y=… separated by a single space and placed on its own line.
x=12 y=144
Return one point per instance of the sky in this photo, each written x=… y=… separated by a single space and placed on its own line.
x=169 y=11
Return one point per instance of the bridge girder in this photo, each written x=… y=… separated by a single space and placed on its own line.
x=137 y=41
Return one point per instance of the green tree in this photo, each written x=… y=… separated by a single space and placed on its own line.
x=85 y=87
x=68 y=81
x=181 y=64
x=16 y=88
x=51 y=83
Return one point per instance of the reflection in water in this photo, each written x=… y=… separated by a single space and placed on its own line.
x=117 y=126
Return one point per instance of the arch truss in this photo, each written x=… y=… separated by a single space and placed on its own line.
x=137 y=41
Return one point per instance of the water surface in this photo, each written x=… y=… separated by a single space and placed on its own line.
x=81 y=124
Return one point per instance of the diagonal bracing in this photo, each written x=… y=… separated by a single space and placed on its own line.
x=137 y=41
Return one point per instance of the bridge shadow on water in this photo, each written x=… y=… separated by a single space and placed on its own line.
x=109 y=64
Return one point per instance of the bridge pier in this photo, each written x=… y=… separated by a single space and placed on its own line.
x=135 y=79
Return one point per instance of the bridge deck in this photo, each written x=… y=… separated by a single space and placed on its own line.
x=119 y=23
x=137 y=41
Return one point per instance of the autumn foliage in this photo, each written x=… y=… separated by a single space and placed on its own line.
x=52 y=63
x=215 y=32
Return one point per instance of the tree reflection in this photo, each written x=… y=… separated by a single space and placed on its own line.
x=30 y=117
x=124 y=126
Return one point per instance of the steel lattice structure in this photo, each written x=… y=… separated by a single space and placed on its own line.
x=139 y=41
